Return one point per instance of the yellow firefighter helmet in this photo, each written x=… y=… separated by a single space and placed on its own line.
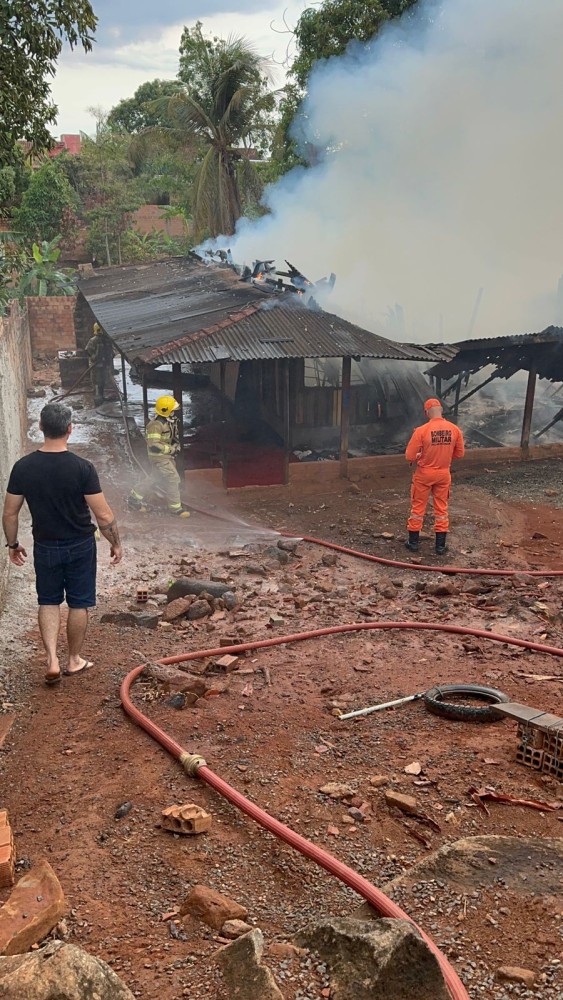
x=96 y=328
x=165 y=405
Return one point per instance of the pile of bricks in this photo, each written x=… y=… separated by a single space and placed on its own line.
x=7 y=852
x=540 y=738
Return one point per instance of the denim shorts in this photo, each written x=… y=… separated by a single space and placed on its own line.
x=66 y=569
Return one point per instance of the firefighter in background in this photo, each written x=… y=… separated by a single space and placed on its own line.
x=100 y=353
x=432 y=446
x=163 y=444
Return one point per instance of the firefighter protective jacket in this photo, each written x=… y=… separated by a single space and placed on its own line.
x=100 y=350
x=162 y=437
x=435 y=444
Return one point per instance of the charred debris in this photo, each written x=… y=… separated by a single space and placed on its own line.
x=265 y=276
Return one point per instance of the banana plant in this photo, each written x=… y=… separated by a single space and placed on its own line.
x=42 y=276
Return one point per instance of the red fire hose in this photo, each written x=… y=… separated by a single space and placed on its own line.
x=448 y=570
x=197 y=767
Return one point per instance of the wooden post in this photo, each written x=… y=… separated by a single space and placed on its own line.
x=222 y=387
x=286 y=417
x=528 y=412
x=145 y=400
x=177 y=392
x=457 y=394
x=345 y=416
x=438 y=382
x=123 y=378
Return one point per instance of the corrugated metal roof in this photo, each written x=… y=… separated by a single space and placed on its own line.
x=184 y=311
x=544 y=351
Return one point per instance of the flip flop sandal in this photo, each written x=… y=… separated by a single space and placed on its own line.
x=72 y=673
x=52 y=681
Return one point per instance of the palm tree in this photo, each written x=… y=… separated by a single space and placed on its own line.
x=224 y=107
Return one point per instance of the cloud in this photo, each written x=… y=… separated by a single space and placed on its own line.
x=121 y=21
x=118 y=65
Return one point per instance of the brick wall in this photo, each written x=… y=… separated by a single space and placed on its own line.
x=84 y=320
x=149 y=219
x=15 y=379
x=51 y=323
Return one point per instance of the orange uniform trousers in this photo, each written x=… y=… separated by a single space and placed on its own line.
x=426 y=482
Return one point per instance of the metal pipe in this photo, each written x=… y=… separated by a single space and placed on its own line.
x=379 y=708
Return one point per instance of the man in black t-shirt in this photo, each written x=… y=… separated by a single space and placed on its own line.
x=61 y=489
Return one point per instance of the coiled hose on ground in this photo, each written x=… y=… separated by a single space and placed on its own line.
x=196 y=766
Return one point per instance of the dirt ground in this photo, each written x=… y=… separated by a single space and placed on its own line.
x=72 y=757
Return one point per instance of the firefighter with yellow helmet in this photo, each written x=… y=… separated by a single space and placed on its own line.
x=100 y=352
x=163 y=444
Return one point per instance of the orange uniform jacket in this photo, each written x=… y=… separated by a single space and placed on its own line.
x=434 y=445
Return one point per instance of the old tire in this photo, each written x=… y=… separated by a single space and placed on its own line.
x=436 y=701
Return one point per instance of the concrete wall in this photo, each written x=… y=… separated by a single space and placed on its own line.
x=51 y=323
x=15 y=379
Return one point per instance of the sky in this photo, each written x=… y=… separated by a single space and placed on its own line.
x=138 y=40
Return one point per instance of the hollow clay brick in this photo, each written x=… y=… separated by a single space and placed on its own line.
x=187 y=819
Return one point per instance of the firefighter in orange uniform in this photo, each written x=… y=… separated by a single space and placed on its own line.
x=433 y=446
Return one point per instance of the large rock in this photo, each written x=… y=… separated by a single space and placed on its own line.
x=377 y=960
x=176 y=680
x=59 y=972
x=211 y=907
x=526 y=865
x=34 y=907
x=185 y=586
x=240 y=963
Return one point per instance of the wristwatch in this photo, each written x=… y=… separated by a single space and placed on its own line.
x=16 y=545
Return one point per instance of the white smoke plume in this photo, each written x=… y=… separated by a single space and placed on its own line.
x=444 y=175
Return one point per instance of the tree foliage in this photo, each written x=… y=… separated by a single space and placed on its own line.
x=327 y=30
x=43 y=276
x=137 y=113
x=32 y=33
x=323 y=31
x=225 y=106
x=47 y=206
x=103 y=178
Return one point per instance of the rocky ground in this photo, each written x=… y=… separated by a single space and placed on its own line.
x=271 y=728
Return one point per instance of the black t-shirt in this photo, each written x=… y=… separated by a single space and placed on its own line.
x=54 y=484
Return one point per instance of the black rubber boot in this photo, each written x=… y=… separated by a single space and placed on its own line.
x=413 y=542
x=441 y=542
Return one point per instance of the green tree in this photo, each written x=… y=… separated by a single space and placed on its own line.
x=327 y=30
x=103 y=178
x=47 y=205
x=137 y=113
x=224 y=107
x=14 y=178
x=32 y=33
x=323 y=31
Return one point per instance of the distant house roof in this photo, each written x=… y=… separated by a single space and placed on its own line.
x=182 y=310
x=71 y=143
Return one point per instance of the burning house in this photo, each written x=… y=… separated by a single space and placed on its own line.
x=273 y=378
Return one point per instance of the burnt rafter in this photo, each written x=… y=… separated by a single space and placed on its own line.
x=522 y=352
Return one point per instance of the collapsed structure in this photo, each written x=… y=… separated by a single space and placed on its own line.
x=284 y=375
